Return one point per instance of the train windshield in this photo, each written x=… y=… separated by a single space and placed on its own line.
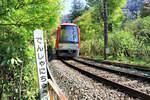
x=68 y=34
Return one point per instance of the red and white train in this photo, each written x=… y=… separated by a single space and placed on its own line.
x=68 y=40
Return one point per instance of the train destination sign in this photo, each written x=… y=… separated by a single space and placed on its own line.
x=41 y=64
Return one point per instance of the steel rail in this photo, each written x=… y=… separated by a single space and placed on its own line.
x=126 y=65
x=144 y=78
x=130 y=91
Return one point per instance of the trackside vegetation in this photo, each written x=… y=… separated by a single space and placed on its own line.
x=129 y=40
x=18 y=20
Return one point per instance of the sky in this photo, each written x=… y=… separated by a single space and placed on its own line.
x=68 y=6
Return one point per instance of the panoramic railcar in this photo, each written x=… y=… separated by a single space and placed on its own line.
x=68 y=40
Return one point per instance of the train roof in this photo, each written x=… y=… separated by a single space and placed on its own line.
x=68 y=24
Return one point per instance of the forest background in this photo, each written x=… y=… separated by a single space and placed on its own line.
x=128 y=29
x=129 y=37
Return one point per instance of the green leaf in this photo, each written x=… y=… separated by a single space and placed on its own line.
x=8 y=49
x=3 y=62
x=19 y=60
x=12 y=61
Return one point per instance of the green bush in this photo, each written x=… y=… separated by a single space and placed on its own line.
x=92 y=47
x=17 y=59
x=132 y=42
x=122 y=44
x=140 y=28
x=125 y=44
x=17 y=63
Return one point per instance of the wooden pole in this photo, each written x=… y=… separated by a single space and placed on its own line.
x=46 y=50
x=105 y=30
x=20 y=84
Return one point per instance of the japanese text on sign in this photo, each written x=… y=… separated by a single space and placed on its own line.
x=41 y=64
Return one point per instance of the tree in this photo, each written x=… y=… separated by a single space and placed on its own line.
x=115 y=15
x=133 y=6
x=18 y=19
x=145 y=9
x=29 y=12
x=77 y=9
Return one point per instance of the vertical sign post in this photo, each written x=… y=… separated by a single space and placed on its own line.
x=41 y=64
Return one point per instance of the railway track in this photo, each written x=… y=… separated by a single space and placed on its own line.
x=124 y=65
x=135 y=69
x=137 y=86
x=115 y=69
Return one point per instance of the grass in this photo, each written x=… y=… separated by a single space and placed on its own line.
x=123 y=60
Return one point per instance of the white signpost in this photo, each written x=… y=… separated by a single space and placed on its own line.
x=41 y=64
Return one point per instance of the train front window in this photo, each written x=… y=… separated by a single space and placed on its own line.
x=68 y=34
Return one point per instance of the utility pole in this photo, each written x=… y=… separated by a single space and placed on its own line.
x=106 y=49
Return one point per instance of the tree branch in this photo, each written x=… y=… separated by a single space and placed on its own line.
x=17 y=24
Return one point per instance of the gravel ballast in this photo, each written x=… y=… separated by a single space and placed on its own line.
x=131 y=70
x=80 y=87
